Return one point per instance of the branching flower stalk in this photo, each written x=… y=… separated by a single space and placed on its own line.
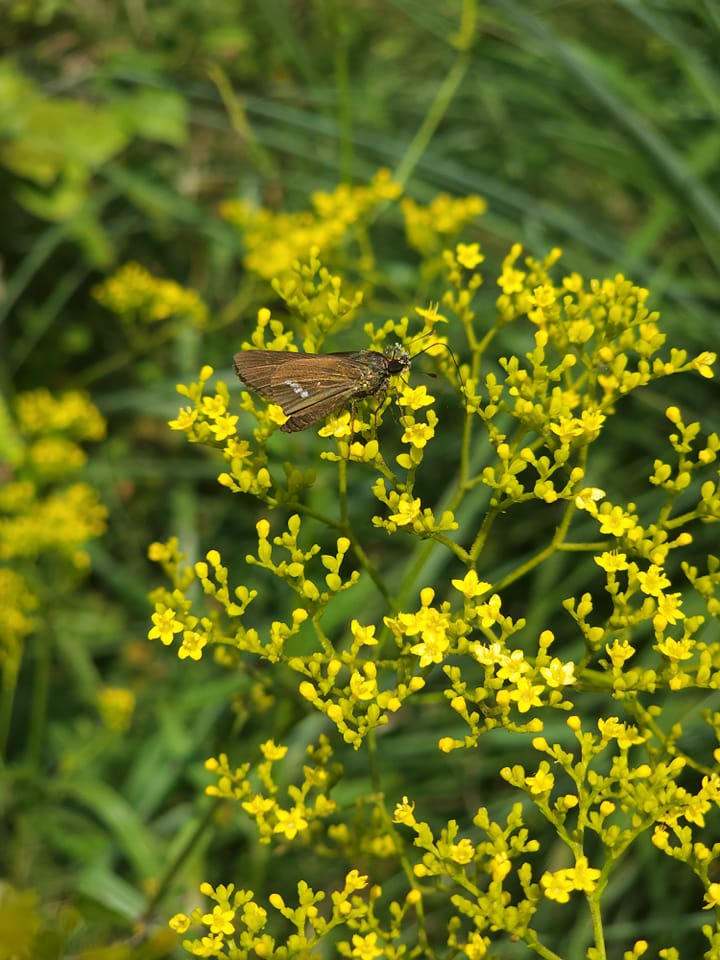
x=462 y=643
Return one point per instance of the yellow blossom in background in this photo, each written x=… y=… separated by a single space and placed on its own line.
x=47 y=515
x=134 y=294
x=290 y=823
x=429 y=228
x=41 y=413
x=19 y=603
x=364 y=636
x=274 y=241
x=469 y=255
x=116 y=706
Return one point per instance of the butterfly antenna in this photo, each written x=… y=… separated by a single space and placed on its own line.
x=449 y=349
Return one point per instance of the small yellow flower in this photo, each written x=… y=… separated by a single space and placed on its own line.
x=462 y=852
x=676 y=650
x=404 y=813
x=556 y=886
x=259 y=806
x=559 y=885
x=470 y=586
x=224 y=427
x=165 y=625
x=220 y=921
x=513 y=667
x=271 y=751
x=612 y=561
x=541 y=782
x=116 y=706
x=366 y=947
x=290 y=823
x=192 y=645
x=654 y=581
x=616 y=522
x=468 y=255
x=668 y=610
x=418 y=434
x=567 y=428
x=625 y=734
x=180 y=923
x=432 y=649
x=585 y=877
x=527 y=695
x=587 y=498
x=364 y=636
x=703 y=364
x=619 y=651
x=213 y=407
x=364 y=687
x=500 y=866
x=544 y=296
x=415 y=397
x=558 y=674
x=712 y=897
x=407 y=511
x=489 y=612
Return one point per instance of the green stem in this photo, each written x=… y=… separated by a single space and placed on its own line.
x=9 y=686
x=444 y=96
x=597 y=924
x=39 y=700
x=169 y=877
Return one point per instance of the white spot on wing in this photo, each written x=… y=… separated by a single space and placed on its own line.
x=297 y=388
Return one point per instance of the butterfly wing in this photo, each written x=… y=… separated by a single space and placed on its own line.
x=310 y=386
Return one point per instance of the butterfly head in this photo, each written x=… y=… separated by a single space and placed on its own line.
x=398 y=359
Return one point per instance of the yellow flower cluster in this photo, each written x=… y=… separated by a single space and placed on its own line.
x=39 y=413
x=116 y=706
x=18 y=603
x=236 y=925
x=33 y=522
x=308 y=803
x=47 y=515
x=523 y=438
x=429 y=229
x=274 y=241
x=136 y=296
